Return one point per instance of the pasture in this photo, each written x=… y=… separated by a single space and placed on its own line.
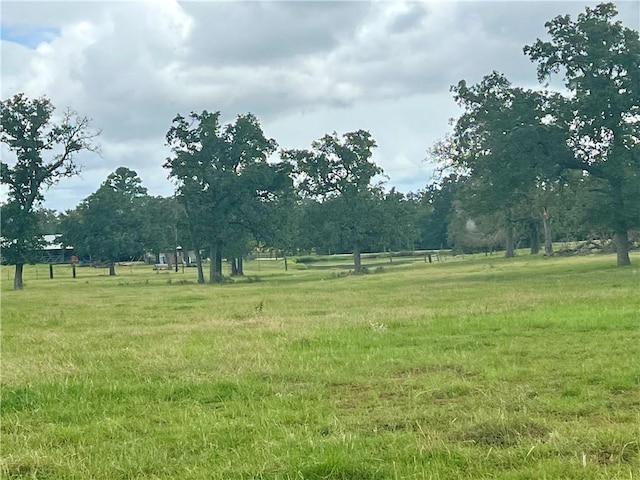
x=473 y=368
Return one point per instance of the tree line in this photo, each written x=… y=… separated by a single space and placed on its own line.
x=520 y=167
x=534 y=155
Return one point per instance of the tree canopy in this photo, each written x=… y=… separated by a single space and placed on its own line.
x=45 y=152
x=519 y=165
x=338 y=172
x=518 y=146
x=599 y=60
x=108 y=224
x=224 y=180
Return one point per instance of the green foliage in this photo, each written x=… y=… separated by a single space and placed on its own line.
x=600 y=64
x=437 y=202
x=516 y=145
x=48 y=221
x=398 y=221
x=508 y=150
x=477 y=233
x=27 y=130
x=231 y=195
x=162 y=223
x=108 y=225
x=21 y=237
x=308 y=259
x=347 y=211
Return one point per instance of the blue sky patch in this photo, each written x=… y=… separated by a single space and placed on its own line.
x=28 y=35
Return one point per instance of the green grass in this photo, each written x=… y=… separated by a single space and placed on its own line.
x=475 y=368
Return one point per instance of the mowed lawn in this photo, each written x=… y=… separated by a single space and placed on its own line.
x=470 y=368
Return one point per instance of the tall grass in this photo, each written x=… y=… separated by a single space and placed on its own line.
x=474 y=368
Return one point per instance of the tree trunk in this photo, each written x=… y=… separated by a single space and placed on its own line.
x=17 y=279
x=546 y=225
x=234 y=266
x=620 y=233
x=199 y=265
x=510 y=246
x=286 y=267
x=534 y=237
x=112 y=269
x=239 y=267
x=219 y=262
x=621 y=240
x=215 y=265
x=357 y=262
x=196 y=247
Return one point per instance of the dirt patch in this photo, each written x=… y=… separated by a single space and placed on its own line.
x=501 y=434
x=365 y=395
x=339 y=472
x=612 y=454
x=453 y=391
x=26 y=468
x=434 y=369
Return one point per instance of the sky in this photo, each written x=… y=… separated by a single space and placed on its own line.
x=303 y=68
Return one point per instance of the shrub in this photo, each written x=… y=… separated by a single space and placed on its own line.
x=308 y=259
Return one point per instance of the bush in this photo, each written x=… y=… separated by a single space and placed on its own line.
x=308 y=259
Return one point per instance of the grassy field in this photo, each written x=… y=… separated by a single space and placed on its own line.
x=470 y=368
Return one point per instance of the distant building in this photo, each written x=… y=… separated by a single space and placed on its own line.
x=54 y=251
x=186 y=258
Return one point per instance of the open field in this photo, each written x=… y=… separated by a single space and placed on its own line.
x=472 y=368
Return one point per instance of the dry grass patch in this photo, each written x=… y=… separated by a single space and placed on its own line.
x=501 y=433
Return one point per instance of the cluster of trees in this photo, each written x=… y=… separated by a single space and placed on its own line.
x=519 y=165
x=233 y=197
x=524 y=157
x=119 y=221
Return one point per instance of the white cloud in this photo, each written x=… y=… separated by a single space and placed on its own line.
x=304 y=68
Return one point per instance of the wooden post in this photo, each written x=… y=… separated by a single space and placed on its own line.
x=51 y=270
x=73 y=270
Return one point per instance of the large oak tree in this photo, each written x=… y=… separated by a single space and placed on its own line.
x=339 y=172
x=599 y=60
x=224 y=180
x=45 y=152
x=503 y=142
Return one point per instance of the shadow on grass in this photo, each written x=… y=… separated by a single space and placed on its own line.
x=501 y=433
x=349 y=266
